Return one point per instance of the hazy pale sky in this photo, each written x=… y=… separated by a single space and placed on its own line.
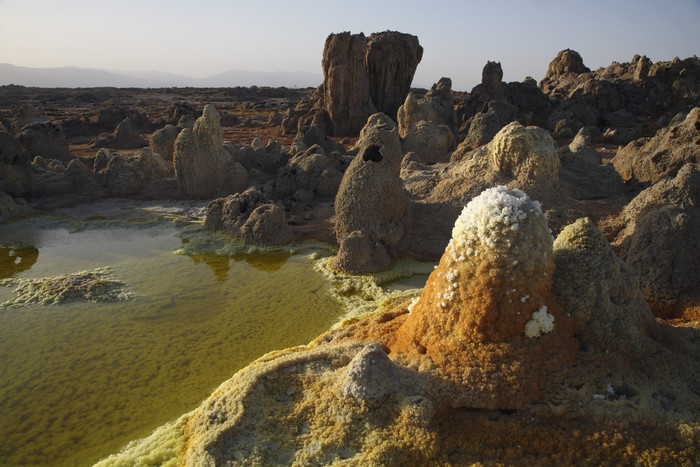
x=199 y=38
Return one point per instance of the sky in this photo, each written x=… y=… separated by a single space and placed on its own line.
x=200 y=38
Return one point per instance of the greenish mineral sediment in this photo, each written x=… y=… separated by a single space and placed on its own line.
x=97 y=286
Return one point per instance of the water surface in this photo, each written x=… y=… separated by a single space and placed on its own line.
x=80 y=380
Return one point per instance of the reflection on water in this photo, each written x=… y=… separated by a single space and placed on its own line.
x=80 y=380
x=16 y=259
x=220 y=265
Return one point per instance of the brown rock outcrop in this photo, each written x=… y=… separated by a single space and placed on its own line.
x=250 y=218
x=567 y=65
x=392 y=59
x=125 y=136
x=346 y=92
x=371 y=198
x=649 y=159
x=519 y=350
x=15 y=175
x=46 y=140
x=203 y=168
x=163 y=141
x=659 y=241
x=491 y=294
x=361 y=76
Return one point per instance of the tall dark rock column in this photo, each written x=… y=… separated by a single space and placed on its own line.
x=391 y=61
x=346 y=96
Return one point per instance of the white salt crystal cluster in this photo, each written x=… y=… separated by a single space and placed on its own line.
x=489 y=220
x=541 y=322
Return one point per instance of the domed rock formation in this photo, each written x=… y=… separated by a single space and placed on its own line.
x=566 y=65
x=371 y=198
x=525 y=153
x=659 y=241
x=543 y=352
x=649 y=159
x=489 y=303
x=125 y=136
x=204 y=169
x=436 y=107
x=46 y=140
x=250 y=218
x=163 y=141
x=430 y=142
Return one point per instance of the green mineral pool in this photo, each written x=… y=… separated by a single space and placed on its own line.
x=79 y=379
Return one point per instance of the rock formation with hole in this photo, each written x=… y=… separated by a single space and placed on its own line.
x=371 y=198
x=519 y=350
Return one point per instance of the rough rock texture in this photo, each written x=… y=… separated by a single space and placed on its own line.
x=125 y=136
x=429 y=125
x=46 y=140
x=163 y=141
x=649 y=159
x=493 y=104
x=569 y=365
x=391 y=60
x=582 y=169
x=430 y=142
x=371 y=198
x=625 y=100
x=525 y=152
x=26 y=115
x=567 y=64
x=483 y=126
x=346 y=93
x=361 y=76
x=124 y=176
x=311 y=171
x=15 y=175
x=204 y=169
x=359 y=254
x=495 y=274
x=659 y=240
x=250 y=218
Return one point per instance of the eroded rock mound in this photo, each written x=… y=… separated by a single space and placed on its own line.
x=567 y=65
x=525 y=153
x=250 y=218
x=547 y=343
x=583 y=170
x=163 y=141
x=491 y=293
x=649 y=159
x=371 y=198
x=46 y=140
x=125 y=136
x=660 y=243
x=204 y=169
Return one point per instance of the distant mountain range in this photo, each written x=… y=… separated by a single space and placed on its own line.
x=71 y=77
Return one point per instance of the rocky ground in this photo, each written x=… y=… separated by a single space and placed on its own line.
x=564 y=216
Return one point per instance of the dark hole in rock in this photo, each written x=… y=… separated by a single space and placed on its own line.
x=697 y=125
x=372 y=154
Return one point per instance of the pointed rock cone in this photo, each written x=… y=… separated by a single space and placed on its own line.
x=486 y=322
